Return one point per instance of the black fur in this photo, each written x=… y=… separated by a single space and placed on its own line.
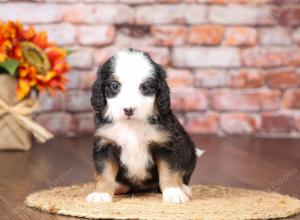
x=179 y=152
x=163 y=92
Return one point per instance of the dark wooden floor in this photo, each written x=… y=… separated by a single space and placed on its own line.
x=265 y=164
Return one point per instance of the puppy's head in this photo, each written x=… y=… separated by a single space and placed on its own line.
x=130 y=85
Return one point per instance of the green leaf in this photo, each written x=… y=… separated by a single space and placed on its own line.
x=11 y=66
x=70 y=51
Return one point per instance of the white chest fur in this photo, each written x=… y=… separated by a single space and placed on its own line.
x=134 y=137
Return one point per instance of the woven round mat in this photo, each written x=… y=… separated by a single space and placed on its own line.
x=208 y=203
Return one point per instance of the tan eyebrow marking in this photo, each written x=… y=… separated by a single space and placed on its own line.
x=116 y=77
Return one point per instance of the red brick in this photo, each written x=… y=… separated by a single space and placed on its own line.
x=51 y=103
x=138 y=31
x=275 y=36
x=289 y=15
x=283 y=2
x=98 y=14
x=81 y=79
x=296 y=36
x=81 y=59
x=297 y=123
x=101 y=56
x=211 y=78
x=294 y=57
x=173 y=1
x=180 y=117
x=73 y=79
x=159 y=55
x=78 y=101
x=206 y=35
x=238 y=123
x=171 y=14
x=245 y=101
x=59 y=1
x=226 y=100
x=31 y=12
x=236 y=14
x=270 y=100
x=179 y=78
x=202 y=123
x=57 y=33
x=236 y=1
x=136 y=2
x=84 y=124
x=108 y=1
x=246 y=79
x=59 y=123
x=265 y=57
x=292 y=99
x=206 y=57
x=276 y=122
x=282 y=79
x=124 y=41
x=189 y=100
x=87 y=79
x=240 y=36
x=96 y=35
x=169 y=35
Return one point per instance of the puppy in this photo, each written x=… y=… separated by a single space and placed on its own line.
x=139 y=145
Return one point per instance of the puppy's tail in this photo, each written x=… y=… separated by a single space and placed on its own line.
x=199 y=152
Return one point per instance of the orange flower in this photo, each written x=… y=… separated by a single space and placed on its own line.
x=24 y=34
x=41 y=40
x=43 y=65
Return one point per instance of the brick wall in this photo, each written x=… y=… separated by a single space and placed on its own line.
x=233 y=65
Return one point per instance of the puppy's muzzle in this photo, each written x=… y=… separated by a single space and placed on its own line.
x=129 y=111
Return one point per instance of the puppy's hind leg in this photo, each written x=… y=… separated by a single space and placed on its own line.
x=121 y=188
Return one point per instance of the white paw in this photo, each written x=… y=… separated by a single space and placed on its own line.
x=98 y=197
x=174 y=195
x=187 y=190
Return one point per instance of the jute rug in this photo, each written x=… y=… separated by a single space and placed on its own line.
x=208 y=203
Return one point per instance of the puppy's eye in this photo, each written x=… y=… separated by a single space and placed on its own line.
x=146 y=87
x=115 y=86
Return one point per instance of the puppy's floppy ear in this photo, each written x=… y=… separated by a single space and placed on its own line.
x=98 y=100
x=163 y=92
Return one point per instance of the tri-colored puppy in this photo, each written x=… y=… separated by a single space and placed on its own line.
x=139 y=145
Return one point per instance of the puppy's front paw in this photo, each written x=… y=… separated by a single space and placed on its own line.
x=187 y=190
x=174 y=195
x=98 y=197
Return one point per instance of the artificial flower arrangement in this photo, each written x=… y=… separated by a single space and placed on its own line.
x=29 y=64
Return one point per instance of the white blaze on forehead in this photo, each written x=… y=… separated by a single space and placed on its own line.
x=132 y=67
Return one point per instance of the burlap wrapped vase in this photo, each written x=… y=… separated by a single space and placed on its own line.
x=16 y=125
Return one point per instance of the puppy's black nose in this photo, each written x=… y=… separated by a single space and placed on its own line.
x=128 y=111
